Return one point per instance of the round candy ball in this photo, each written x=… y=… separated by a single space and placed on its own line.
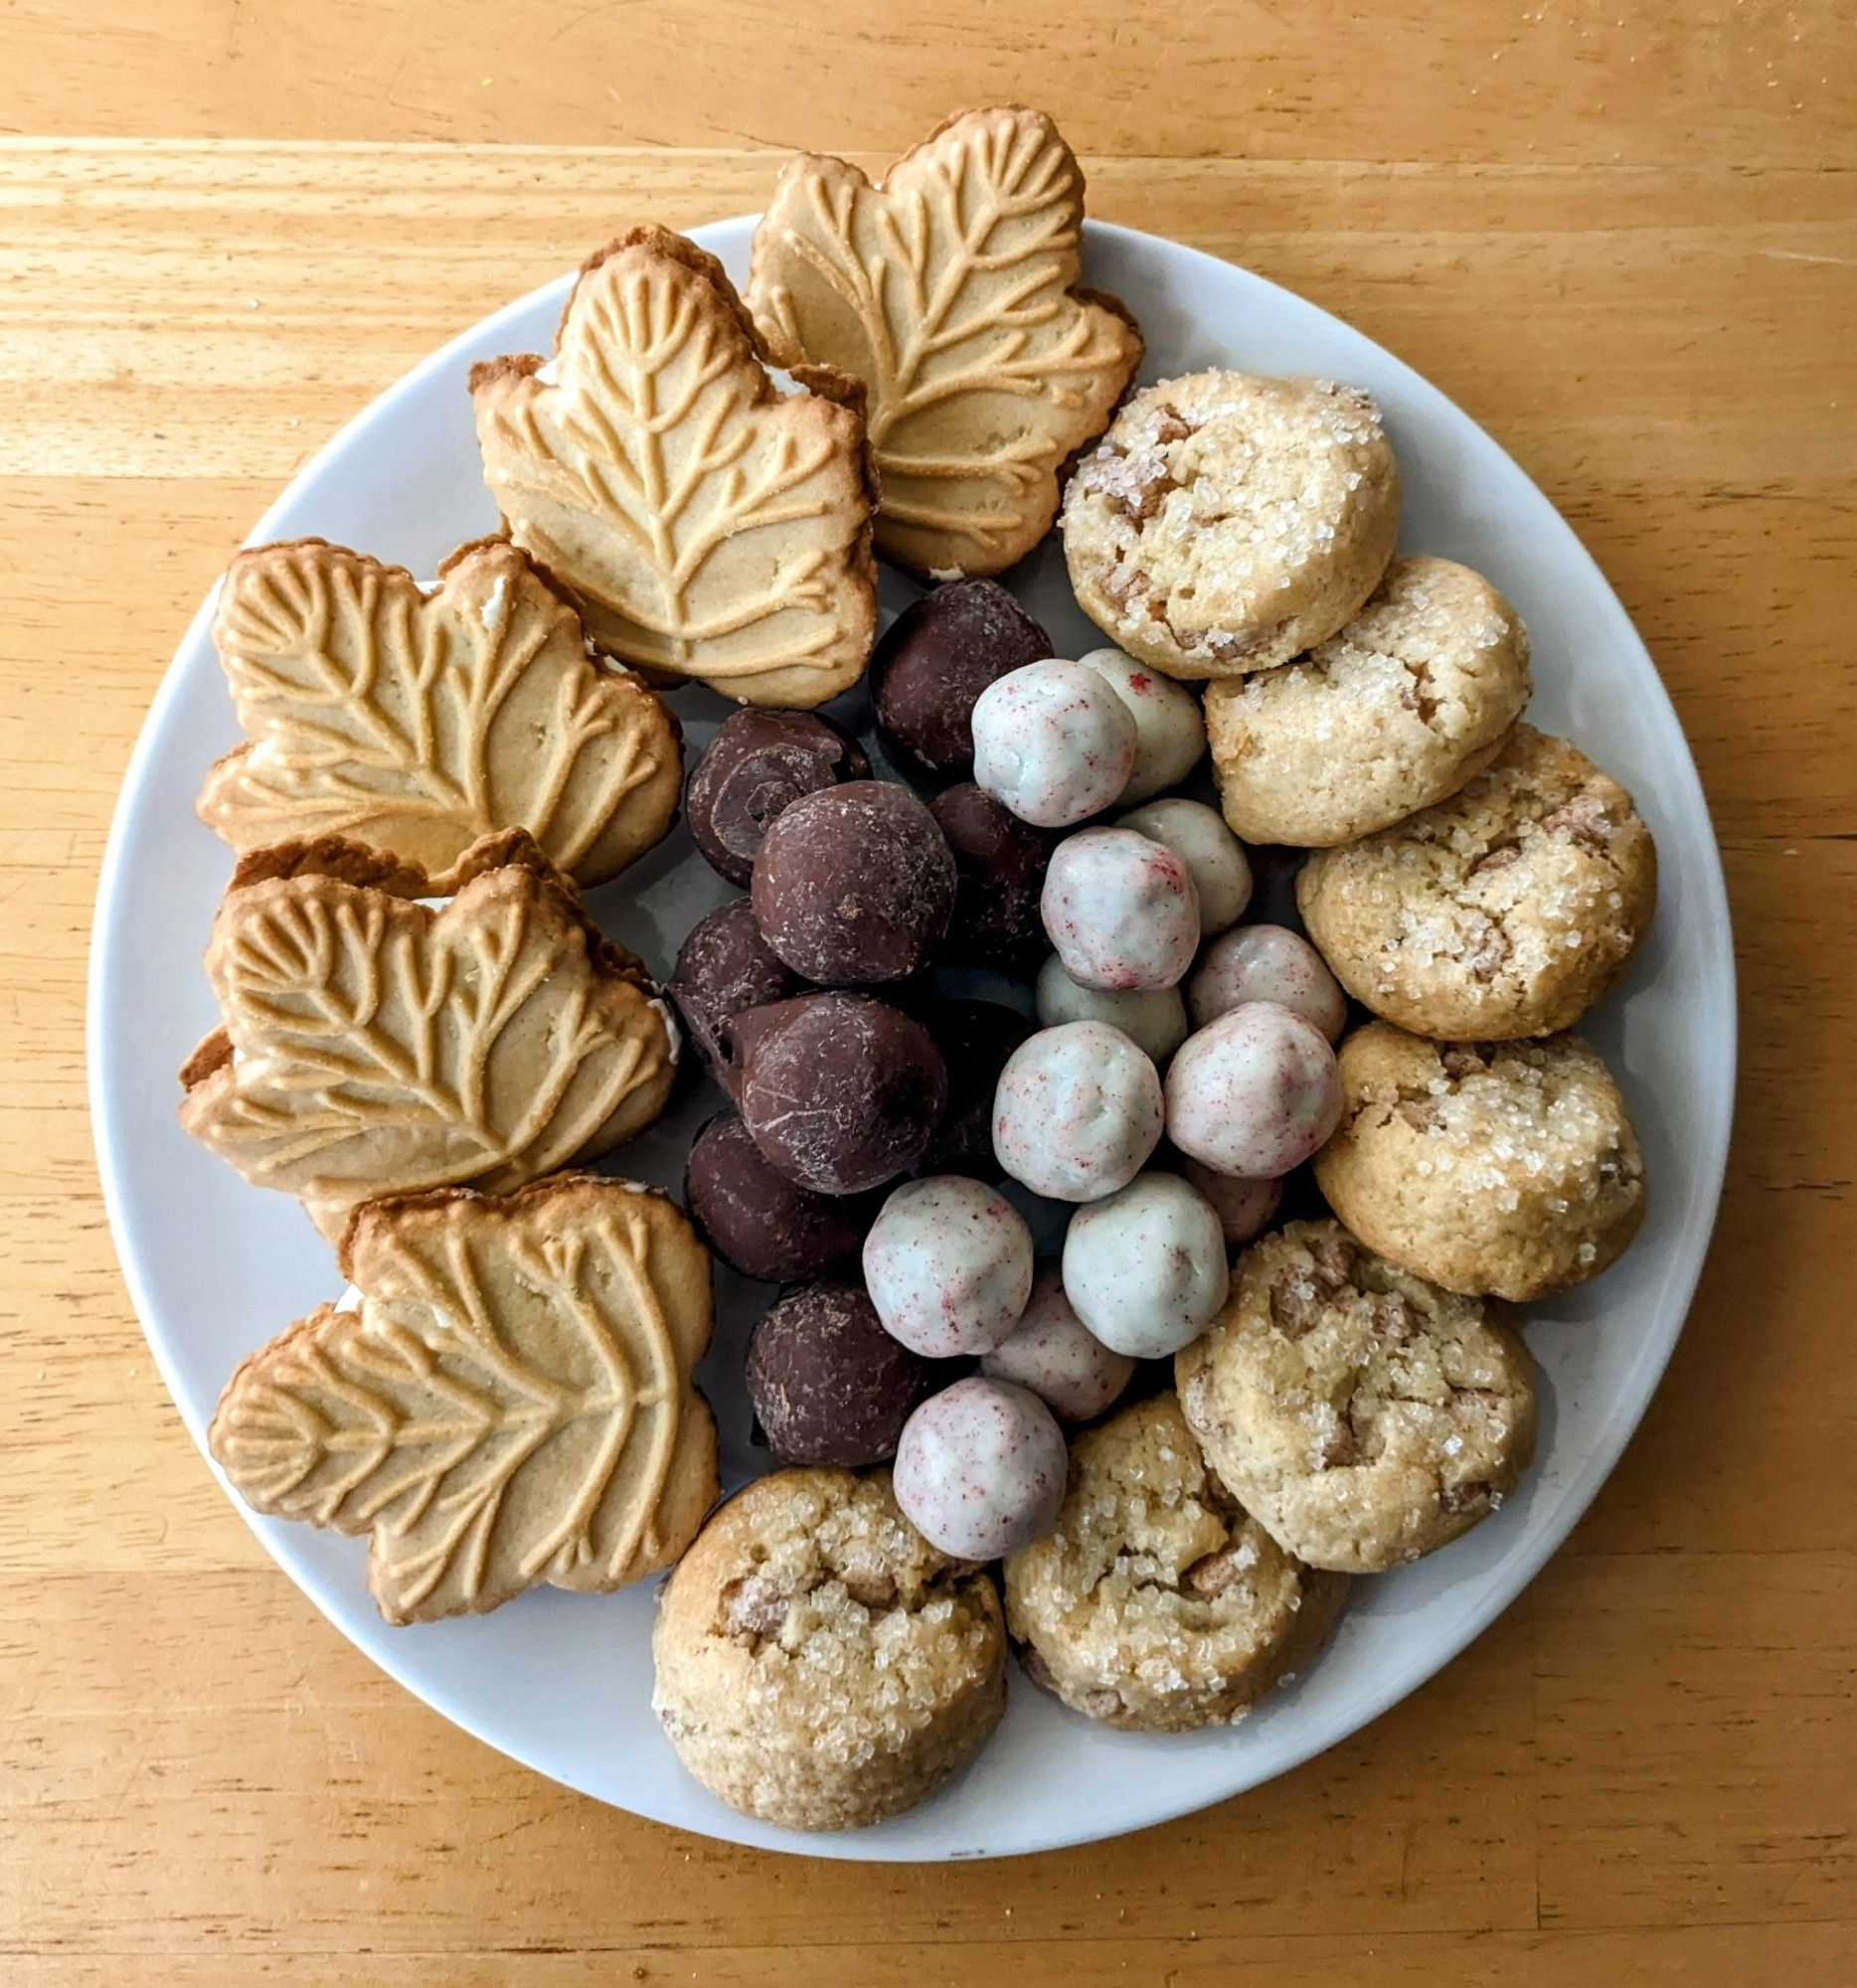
x=1147 y=1268
x=828 y=1385
x=1153 y=1017
x=1244 y=1207
x=1170 y=731
x=999 y=867
x=1054 y=743
x=1078 y=1110
x=976 y=1039
x=854 y=884
x=724 y=968
x=980 y=1469
x=841 y=1091
x=1122 y=910
x=1198 y=835
x=948 y=1265
x=1267 y=963
x=757 y=1220
x=758 y=765
x=1255 y=1093
x=936 y=657
x=1058 y=1356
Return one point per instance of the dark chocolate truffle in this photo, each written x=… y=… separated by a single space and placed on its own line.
x=976 y=1039
x=760 y=1222
x=828 y=1383
x=999 y=865
x=841 y=1091
x=758 y=763
x=855 y=885
x=935 y=660
x=726 y=967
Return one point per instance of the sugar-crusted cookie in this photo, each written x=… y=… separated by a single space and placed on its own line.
x=509 y=1405
x=1227 y=522
x=952 y=291
x=819 y=1664
x=371 y=1046
x=1159 y=1604
x=707 y=526
x=1506 y=910
x=1507 y=1168
x=416 y=723
x=1363 y=1415
x=1394 y=712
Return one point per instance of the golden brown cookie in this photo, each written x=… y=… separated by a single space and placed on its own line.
x=951 y=290
x=1506 y=910
x=1506 y=1168
x=1227 y=522
x=1396 y=710
x=416 y=723
x=509 y=1404
x=371 y=1046
x=1159 y=1604
x=819 y=1664
x=707 y=526
x=1363 y=1415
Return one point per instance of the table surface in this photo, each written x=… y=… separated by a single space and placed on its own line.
x=1622 y=236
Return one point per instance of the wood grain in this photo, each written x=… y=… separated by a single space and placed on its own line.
x=1624 y=238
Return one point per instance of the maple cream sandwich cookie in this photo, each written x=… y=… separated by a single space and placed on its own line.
x=508 y=1407
x=707 y=526
x=416 y=723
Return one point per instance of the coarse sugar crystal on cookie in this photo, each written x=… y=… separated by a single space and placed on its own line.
x=819 y=1664
x=1365 y=1415
x=1506 y=910
x=1159 y=1604
x=1394 y=712
x=1505 y=1168
x=1227 y=522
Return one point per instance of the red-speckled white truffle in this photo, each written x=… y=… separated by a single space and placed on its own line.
x=1078 y=1110
x=1058 y=1356
x=1266 y=964
x=1122 y=910
x=1153 y=1017
x=1147 y=1268
x=948 y=1265
x=980 y=1469
x=1253 y=1094
x=1244 y=1207
x=1053 y=741
x=1198 y=835
x=1170 y=732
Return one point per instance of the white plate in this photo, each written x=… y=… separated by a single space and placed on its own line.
x=562 y=1681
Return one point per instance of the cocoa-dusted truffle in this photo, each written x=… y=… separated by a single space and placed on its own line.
x=976 y=1039
x=758 y=763
x=724 y=967
x=841 y=1091
x=999 y=865
x=760 y=1222
x=855 y=885
x=936 y=659
x=828 y=1383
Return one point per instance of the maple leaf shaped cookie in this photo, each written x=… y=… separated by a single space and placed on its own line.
x=371 y=1046
x=952 y=291
x=418 y=724
x=510 y=1404
x=707 y=526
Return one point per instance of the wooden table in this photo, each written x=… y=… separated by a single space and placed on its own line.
x=1622 y=236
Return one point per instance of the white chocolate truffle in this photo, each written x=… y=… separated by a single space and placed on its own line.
x=980 y=1469
x=1153 y=1017
x=1122 y=910
x=1267 y=963
x=1255 y=1093
x=1147 y=1268
x=1053 y=743
x=1078 y=1110
x=948 y=1265
x=1198 y=835
x=1170 y=731
x=1055 y=1353
x=1244 y=1207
